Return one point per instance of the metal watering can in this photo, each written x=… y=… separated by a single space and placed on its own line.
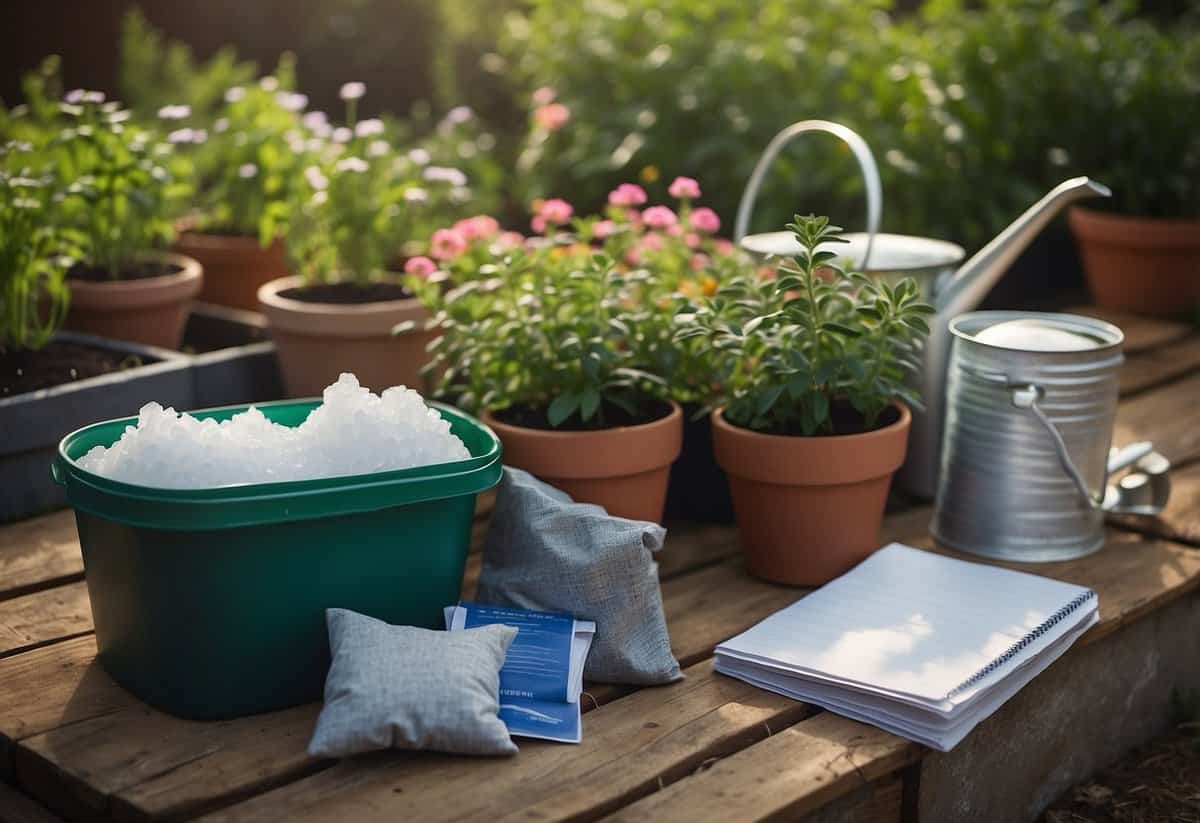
x=1027 y=471
x=935 y=264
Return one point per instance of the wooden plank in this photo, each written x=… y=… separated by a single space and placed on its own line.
x=791 y=773
x=1152 y=368
x=702 y=609
x=16 y=807
x=1141 y=333
x=1167 y=417
x=42 y=617
x=1180 y=521
x=652 y=738
x=37 y=553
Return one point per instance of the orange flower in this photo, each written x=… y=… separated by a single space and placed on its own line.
x=709 y=285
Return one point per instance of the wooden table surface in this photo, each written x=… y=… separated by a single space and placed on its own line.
x=75 y=745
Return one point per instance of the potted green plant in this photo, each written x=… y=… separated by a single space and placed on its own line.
x=249 y=170
x=362 y=200
x=812 y=412
x=50 y=381
x=551 y=344
x=1134 y=107
x=123 y=286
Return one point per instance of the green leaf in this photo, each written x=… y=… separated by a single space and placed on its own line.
x=562 y=407
x=589 y=402
x=768 y=398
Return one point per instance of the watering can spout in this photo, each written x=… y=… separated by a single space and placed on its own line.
x=975 y=278
x=963 y=293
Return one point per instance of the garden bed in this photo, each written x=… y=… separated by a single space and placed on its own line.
x=32 y=423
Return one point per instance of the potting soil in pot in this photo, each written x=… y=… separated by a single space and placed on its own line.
x=354 y=431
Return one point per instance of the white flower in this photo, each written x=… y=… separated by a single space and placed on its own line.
x=234 y=94
x=247 y=170
x=75 y=96
x=181 y=136
x=355 y=164
x=314 y=120
x=320 y=198
x=179 y=112
x=221 y=125
x=419 y=156
x=459 y=114
x=200 y=136
x=316 y=178
x=268 y=83
x=352 y=91
x=378 y=148
x=445 y=174
x=93 y=97
x=416 y=195
x=342 y=135
x=292 y=101
x=369 y=128
x=314 y=144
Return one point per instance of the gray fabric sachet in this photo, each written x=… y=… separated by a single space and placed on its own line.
x=408 y=688
x=545 y=552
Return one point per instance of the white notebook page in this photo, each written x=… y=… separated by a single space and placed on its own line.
x=911 y=623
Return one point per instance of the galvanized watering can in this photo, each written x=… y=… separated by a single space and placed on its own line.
x=1030 y=405
x=935 y=264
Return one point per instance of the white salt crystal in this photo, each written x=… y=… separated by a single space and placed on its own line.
x=354 y=431
x=1034 y=335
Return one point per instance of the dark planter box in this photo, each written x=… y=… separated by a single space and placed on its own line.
x=233 y=359
x=31 y=424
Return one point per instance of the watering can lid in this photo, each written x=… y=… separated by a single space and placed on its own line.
x=891 y=252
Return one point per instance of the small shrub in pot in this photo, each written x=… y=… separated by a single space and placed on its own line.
x=812 y=413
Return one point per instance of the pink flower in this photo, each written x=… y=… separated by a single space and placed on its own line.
x=627 y=194
x=447 y=244
x=538 y=224
x=699 y=261
x=675 y=230
x=510 y=240
x=684 y=187
x=725 y=247
x=556 y=211
x=652 y=242
x=659 y=217
x=552 y=116
x=705 y=220
x=603 y=228
x=480 y=227
x=420 y=266
x=634 y=256
x=544 y=96
x=692 y=240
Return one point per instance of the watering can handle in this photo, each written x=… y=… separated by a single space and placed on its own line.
x=1027 y=395
x=862 y=153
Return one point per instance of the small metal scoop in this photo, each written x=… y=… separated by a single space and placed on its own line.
x=1145 y=489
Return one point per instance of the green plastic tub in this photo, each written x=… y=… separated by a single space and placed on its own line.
x=210 y=603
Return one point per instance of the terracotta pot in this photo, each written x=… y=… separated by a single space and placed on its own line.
x=234 y=267
x=1140 y=265
x=623 y=469
x=318 y=341
x=809 y=508
x=150 y=310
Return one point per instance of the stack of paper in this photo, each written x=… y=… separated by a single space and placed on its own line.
x=542 y=676
x=919 y=644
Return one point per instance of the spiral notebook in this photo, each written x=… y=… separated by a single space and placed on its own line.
x=922 y=645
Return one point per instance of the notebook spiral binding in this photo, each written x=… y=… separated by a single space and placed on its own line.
x=1016 y=648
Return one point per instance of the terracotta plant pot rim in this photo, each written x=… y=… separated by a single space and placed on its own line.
x=143 y=292
x=810 y=461
x=616 y=452
x=215 y=242
x=1108 y=229
x=335 y=319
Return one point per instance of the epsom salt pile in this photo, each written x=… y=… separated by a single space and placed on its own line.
x=353 y=432
x=1031 y=335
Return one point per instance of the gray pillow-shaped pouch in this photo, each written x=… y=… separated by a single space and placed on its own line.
x=544 y=551
x=401 y=687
